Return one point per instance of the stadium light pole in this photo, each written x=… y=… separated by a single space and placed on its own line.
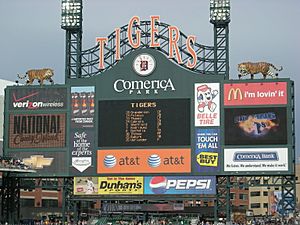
x=71 y=22
x=71 y=15
x=220 y=11
x=220 y=18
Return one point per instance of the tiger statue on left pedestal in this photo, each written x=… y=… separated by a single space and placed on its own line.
x=39 y=74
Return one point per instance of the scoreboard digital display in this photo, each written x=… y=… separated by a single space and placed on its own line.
x=159 y=122
x=256 y=126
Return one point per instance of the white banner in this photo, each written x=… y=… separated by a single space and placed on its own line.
x=207 y=104
x=256 y=159
x=81 y=163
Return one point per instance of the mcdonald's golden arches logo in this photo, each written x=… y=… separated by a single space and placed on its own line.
x=236 y=93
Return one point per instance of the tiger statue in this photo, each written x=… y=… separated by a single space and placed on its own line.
x=259 y=67
x=39 y=74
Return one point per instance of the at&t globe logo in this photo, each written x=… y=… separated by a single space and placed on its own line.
x=154 y=161
x=158 y=185
x=110 y=161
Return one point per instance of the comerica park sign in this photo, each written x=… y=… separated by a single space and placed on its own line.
x=146 y=86
x=134 y=40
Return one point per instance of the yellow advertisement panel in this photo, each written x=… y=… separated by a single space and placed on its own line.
x=208 y=159
x=120 y=185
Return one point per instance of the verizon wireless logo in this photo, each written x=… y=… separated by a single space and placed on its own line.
x=24 y=102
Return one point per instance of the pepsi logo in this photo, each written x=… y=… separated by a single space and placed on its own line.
x=158 y=185
x=110 y=161
x=154 y=161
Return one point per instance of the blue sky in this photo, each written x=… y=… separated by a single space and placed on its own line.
x=260 y=30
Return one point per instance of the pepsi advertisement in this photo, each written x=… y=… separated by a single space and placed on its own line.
x=207 y=150
x=255 y=126
x=168 y=185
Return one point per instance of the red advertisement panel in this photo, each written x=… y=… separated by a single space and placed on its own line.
x=263 y=93
x=128 y=161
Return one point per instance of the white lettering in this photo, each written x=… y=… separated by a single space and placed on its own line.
x=189 y=184
x=121 y=85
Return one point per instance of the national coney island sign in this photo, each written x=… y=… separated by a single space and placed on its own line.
x=134 y=40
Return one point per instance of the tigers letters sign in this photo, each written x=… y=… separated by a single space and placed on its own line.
x=266 y=93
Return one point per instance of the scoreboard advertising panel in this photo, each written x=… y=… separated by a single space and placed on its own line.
x=148 y=185
x=148 y=117
x=36 y=127
x=258 y=128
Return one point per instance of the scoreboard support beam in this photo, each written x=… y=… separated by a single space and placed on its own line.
x=222 y=207
x=288 y=195
x=73 y=54
x=221 y=50
x=68 y=205
x=287 y=185
x=10 y=199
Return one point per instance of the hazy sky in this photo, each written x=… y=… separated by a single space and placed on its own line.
x=260 y=30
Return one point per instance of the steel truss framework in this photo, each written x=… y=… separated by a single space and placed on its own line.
x=73 y=53
x=10 y=195
x=287 y=186
x=221 y=42
x=210 y=59
x=11 y=186
x=10 y=199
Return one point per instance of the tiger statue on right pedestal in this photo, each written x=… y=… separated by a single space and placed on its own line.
x=251 y=68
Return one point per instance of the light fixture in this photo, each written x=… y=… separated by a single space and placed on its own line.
x=71 y=14
x=219 y=11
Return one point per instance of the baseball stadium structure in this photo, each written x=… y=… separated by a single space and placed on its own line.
x=149 y=114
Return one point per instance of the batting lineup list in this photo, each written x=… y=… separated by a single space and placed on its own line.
x=160 y=122
x=140 y=122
